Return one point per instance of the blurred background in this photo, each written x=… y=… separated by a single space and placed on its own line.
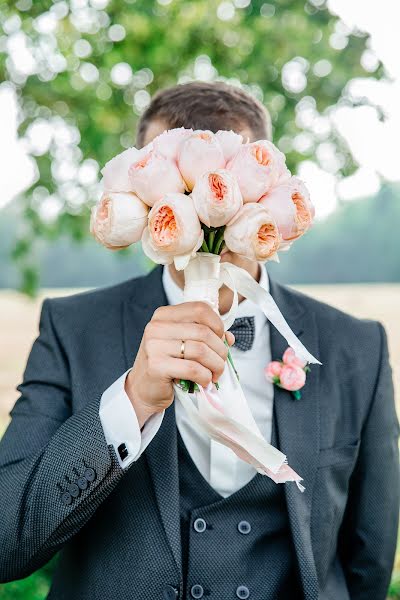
x=76 y=75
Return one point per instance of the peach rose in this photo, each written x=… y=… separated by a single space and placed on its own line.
x=216 y=197
x=290 y=205
x=153 y=175
x=174 y=232
x=115 y=171
x=289 y=358
x=292 y=377
x=253 y=233
x=118 y=220
x=258 y=167
x=273 y=369
x=168 y=142
x=230 y=142
x=198 y=153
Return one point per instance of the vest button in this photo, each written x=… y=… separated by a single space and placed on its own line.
x=244 y=527
x=170 y=592
x=242 y=591
x=197 y=591
x=200 y=525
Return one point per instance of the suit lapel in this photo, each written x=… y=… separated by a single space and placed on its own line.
x=298 y=429
x=161 y=453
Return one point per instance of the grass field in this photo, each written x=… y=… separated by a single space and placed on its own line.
x=19 y=326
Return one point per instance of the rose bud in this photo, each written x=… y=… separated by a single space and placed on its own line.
x=216 y=197
x=253 y=233
x=174 y=232
x=230 y=142
x=198 y=153
x=118 y=220
x=168 y=142
x=258 y=166
x=273 y=369
x=290 y=205
x=115 y=171
x=289 y=358
x=152 y=175
x=292 y=377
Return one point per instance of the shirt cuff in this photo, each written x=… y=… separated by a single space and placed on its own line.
x=121 y=426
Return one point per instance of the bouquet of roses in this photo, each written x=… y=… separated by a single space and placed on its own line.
x=189 y=195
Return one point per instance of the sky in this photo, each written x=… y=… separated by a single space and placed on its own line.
x=374 y=143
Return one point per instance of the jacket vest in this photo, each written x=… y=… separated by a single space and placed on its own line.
x=235 y=547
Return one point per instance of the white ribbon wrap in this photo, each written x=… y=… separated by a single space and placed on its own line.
x=240 y=281
x=224 y=414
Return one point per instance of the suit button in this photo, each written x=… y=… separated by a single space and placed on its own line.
x=242 y=591
x=244 y=527
x=200 y=525
x=82 y=482
x=90 y=474
x=73 y=489
x=170 y=593
x=66 y=498
x=197 y=591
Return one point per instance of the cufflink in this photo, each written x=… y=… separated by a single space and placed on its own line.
x=122 y=451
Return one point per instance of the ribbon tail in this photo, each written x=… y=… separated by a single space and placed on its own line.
x=239 y=280
x=247 y=444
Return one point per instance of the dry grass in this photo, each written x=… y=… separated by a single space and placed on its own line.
x=19 y=325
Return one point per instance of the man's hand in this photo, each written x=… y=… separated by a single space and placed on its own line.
x=158 y=361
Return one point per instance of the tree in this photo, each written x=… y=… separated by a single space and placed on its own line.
x=84 y=71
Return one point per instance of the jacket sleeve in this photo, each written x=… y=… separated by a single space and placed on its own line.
x=369 y=531
x=120 y=423
x=56 y=467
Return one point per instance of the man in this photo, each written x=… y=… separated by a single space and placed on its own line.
x=98 y=460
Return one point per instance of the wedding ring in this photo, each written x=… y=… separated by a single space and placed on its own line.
x=183 y=349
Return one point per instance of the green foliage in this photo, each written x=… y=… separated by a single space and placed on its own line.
x=351 y=246
x=70 y=82
x=394 y=589
x=35 y=587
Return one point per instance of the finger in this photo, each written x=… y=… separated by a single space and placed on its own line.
x=191 y=312
x=230 y=338
x=178 y=368
x=158 y=330
x=194 y=351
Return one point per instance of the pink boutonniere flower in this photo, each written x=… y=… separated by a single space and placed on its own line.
x=288 y=373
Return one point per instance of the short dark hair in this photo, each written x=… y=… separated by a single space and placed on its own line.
x=206 y=105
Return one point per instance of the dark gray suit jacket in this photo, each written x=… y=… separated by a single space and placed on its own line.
x=120 y=537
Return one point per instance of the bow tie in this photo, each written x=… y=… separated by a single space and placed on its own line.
x=243 y=329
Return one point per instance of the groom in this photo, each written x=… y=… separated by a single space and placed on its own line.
x=100 y=462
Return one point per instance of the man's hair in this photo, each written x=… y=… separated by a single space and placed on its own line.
x=204 y=105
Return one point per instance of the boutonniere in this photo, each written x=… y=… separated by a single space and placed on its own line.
x=289 y=373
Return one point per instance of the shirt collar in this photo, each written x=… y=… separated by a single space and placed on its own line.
x=246 y=308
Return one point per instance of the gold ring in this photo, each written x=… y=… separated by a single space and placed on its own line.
x=183 y=349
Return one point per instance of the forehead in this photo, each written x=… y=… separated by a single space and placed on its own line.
x=156 y=126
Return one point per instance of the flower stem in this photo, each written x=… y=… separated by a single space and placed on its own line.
x=219 y=245
x=211 y=237
x=204 y=246
x=219 y=240
x=230 y=359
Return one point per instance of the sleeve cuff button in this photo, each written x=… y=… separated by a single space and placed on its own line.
x=90 y=474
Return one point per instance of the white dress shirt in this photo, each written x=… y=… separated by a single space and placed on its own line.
x=219 y=465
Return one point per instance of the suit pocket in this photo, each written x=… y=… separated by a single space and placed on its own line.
x=337 y=455
x=335 y=466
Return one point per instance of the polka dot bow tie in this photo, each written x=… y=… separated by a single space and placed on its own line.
x=243 y=329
